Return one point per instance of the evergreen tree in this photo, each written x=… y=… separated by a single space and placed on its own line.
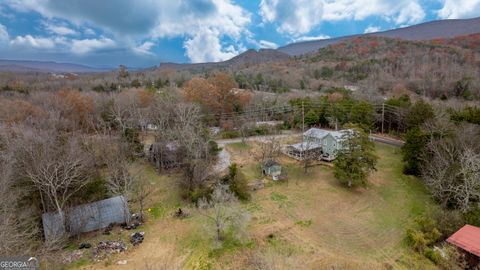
x=356 y=159
x=415 y=141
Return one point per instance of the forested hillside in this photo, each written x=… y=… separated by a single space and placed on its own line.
x=441 y=68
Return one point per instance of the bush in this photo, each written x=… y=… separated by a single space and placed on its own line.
x=424 y=234
x=230 y=134
x=237 y=182
x=473 y=216
x=213 y=147
x=449 y=221
x=259 y=130
x=432 y=255
x=198 y=193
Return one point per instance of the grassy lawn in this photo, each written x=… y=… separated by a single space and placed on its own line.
x=306 y=222
x=343 y=228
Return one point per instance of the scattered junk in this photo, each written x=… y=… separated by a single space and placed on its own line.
x=137 y=238
x=108 y=229
x=131 y=226
x=86 y=218
x=180 y=214
x=72 y=256
x=272 y=168
x=106 y=248
x=84 y=246
x=122 y=262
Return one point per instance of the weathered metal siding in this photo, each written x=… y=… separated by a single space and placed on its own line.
x=87 y=217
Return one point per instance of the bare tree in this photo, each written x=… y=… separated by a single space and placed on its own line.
x=16 y=225
x=451 y=169
x=469 y=190
x=224 y=212
x=140 y=192
x=58 y=170
x=270 y=149
x=311 y=152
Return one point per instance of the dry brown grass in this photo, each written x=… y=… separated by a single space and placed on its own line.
x=307 y=222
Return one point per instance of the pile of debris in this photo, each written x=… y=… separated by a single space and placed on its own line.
x=105 y=248
x=131 y=226
x=71 y=257
x=135 y=222
x=137 y=238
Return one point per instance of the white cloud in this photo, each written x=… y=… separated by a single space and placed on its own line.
x=83 y=46
x=372 y=29
x=133 y=21
x=59 y=29
x=205 y=46
x=399 y=11
x=309 y=38
x=145 y=48
x=29 y=41
x=267 y=44
x=457 y=9
x=4 y=37
x=293 y=17
x=300 y=17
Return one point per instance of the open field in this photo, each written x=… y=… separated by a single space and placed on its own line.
x=307 y=222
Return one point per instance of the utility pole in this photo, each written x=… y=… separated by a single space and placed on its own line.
x=383 y=114
x=303 y=118
x=303 y=131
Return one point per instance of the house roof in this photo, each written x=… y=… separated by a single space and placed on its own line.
x=316 y=132
x=321 y=133
x=304 y=146
x=467 y=238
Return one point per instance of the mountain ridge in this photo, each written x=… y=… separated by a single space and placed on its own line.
x=44 y=66
x=419 y=32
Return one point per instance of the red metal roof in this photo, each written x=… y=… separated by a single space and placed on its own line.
x=467 y=238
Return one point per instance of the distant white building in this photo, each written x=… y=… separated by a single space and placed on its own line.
x=352 y=88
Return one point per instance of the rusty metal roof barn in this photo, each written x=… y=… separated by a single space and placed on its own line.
x=87 y=217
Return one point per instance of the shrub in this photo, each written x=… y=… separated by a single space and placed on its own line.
x=237 y=182
x=213 y=147
x=449 y=221
x=473 y=216
x=230 y=134
x=198 y=193
x=424 y=234
x=432 y=255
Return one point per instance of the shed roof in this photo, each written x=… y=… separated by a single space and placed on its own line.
x=270 y=163
x=467 y=238
x=87 y=217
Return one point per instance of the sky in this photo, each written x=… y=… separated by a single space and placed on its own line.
x=143 y=33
